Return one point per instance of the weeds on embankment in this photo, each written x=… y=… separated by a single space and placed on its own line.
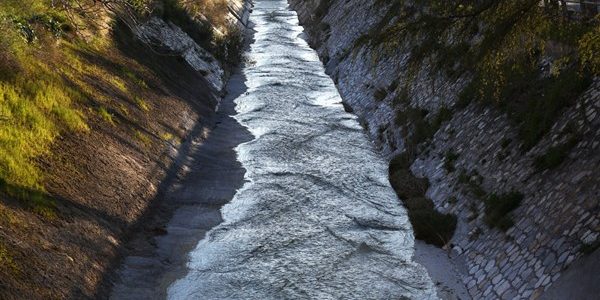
x=527 y=59
x=49 y=86
x=86 y=115
x=429 y=225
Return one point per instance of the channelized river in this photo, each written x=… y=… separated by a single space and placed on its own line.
x=317 y=218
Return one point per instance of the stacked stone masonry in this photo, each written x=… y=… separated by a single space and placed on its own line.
x=560 y=212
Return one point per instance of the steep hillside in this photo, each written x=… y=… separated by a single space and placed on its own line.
x=98 y=99
x=489 y=113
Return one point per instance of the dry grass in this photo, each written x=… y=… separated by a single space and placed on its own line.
x=50 y=85
x=215 y=11
x=84 y=116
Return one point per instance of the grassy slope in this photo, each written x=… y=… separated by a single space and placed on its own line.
x=86 y=118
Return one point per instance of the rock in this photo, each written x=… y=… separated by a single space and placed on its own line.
x=158 y=32
x=489 y=266
x=496 y=279
x=502 y=288
x=550 y=260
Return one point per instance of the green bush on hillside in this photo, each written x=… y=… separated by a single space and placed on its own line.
x=554 y=156
x=501 y=45
x=429 y=225
x=498 y=208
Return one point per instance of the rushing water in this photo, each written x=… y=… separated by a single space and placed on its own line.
x=317 y=218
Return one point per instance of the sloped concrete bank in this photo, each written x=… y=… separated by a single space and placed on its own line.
x=559 y=217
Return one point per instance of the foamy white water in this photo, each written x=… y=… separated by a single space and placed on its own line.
x=318 y=218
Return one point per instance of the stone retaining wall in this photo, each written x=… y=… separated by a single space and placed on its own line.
x=560 y=211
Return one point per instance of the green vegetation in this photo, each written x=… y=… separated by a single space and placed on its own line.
x=323 y=8
x=473 y=183
x=429 y=225
x=143 y=105
x=167 y=136
x=498 y=207
x=380 y=94
x=200 y=31
x=502 y=45
x=105 y=115
x=589 y=47
x=536 y=104
x=453 y=200
x=60 y=69
x=200 y=18
x=505 y=143
x=143 y=138
x=229 y=47
x=554 y=156
x=417 y=129
x=449 y=161
x=7 y=263
x=33 y=112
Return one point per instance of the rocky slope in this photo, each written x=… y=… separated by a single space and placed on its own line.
x=474 y=153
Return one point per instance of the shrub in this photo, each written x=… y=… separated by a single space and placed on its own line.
x=554 y=156
x=453 y=200
x=200 y=31
x=400 y=161
x=407 y=185
x=589 y=47
x=467 y=95
x=402 y=97
x=505 y=143
x=443 y=115
x=323 y=8
x=229 y=47
x=393 y=86
x=428 y=224
x=463 y=177
x=590 y=248
x=380 y=94
x=498 y=208
x=433 y=227
x=503 y=45
x=537 y=103
x=473 y=182
x=421 y=130
x=449 y=161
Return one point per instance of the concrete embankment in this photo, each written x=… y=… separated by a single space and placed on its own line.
x=474 y=153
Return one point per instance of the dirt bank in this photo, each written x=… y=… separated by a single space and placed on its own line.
x=103 y=182
x=145 y=97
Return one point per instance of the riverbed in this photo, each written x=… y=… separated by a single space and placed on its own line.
x=317 y=218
